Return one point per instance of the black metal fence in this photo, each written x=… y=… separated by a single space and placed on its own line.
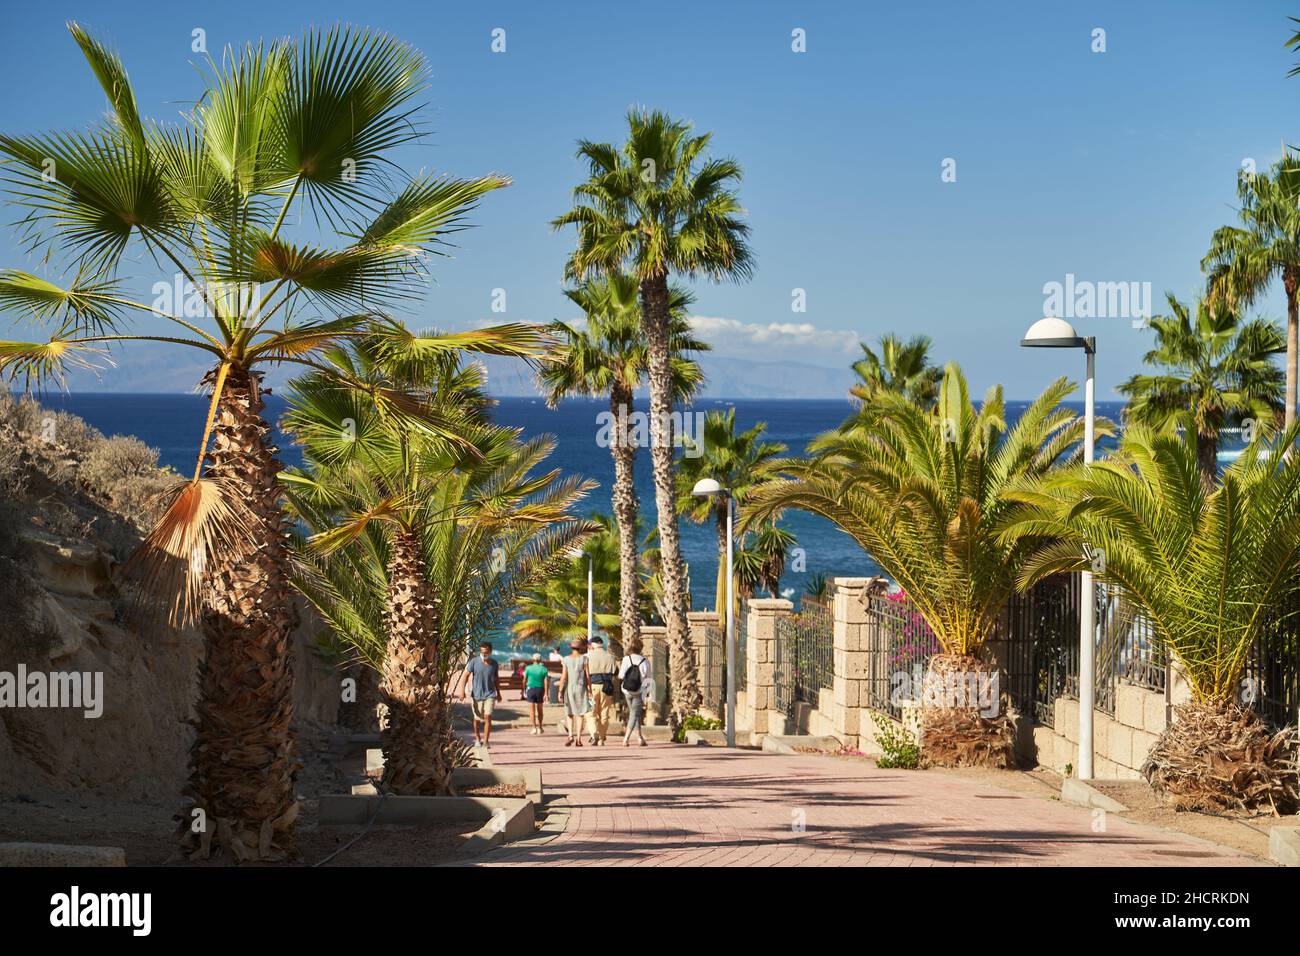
x=899 y=646
x=804 y=657
x=712 y=669
x=1271 y=683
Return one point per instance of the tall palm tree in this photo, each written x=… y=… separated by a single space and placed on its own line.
x=1211 y=567
x=654 y=207
x=278 y=127
x=741 y=463
x=608 y=357
x=418 y=545
x=1219 y=371
x=1244 y=260
x=901 y=367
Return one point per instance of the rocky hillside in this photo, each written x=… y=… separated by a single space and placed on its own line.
x=73 y=504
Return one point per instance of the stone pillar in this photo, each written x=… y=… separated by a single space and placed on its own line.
x=850 y=657
x=761 y=715
x=654 y=645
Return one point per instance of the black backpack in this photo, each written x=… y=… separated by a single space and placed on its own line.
x=632 y=679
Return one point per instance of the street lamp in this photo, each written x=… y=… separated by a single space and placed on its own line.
x=1054 y=333
x=591 y=607
x=707 y=488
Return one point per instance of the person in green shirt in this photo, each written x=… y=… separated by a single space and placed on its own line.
x=537 y=683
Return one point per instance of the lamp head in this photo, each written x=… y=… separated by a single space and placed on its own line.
x=706 y=487
x=1054 y=333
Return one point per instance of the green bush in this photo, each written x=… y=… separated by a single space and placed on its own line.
x=695 y=722
x=898 y=748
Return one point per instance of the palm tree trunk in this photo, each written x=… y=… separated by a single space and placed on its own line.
x=625 y=513
x=243 y=760
x=416 y=742
x=681 y=660
x=1292 y=345
x=362 y=716
x=1207 y=458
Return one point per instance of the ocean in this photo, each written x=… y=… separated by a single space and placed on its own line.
x=173 y=424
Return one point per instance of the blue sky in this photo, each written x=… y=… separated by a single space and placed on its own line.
x=1111 y=166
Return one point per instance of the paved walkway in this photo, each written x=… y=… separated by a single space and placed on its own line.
x=667 y=805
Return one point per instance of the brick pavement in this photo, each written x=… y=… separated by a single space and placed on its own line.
x=666 y=805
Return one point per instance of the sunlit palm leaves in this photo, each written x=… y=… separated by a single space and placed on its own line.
x=1210 y=567
x=925 y=495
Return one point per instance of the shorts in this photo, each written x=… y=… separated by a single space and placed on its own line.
x=483 y=708
x=534 y=695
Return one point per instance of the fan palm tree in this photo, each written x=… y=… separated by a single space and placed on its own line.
x=608 y=357
x=654 y=207
x=418 y=545
x=901 y=367
x=1211 y=566
x=1244 y=260
x=278 y=127
x=925 y=498
x=1220 y=371
x=740 y=463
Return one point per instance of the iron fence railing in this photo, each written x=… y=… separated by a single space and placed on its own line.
x=805 y=660
x=899 y=647
x=712 y=669
x=1271 y=683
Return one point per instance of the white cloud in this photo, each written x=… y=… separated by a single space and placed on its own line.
x=724 y=334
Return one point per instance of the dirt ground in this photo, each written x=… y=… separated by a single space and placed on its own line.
x=144 y=832
x=144 y=829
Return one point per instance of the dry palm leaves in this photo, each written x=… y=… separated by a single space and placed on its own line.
x=1222 y=757
x=203 y=520
x=965 y=720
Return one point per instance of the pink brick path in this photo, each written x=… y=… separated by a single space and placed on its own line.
x=667 y=805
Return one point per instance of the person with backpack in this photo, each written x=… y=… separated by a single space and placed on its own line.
x=634 y=676
x=601 y=668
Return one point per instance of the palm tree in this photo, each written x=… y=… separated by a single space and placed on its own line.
x=1220 y=371
x=654 y=208
x=1244 y=260
x=1211 y=567
x=901 y=367
x=608 y=357
x=554 y=612
x=925 y=495
x=740 y=463
x=278 y=127
x=774 y=543
x=418 y=545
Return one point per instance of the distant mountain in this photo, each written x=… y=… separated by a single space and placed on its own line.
x=158 y=367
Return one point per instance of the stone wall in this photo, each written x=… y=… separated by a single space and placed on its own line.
x=1119 y=743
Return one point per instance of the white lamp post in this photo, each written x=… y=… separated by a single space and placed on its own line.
x=591 y=607
x=707 y=488
x=1053 y=333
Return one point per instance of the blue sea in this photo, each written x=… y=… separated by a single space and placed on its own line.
x=173 y=424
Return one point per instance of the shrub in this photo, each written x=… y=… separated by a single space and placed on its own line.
x=695 y=722
x=112 y=461
x=898 y=748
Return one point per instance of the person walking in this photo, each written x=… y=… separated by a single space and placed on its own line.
x=574 y=690
x=601 y=668
x=483 y=674
x=537 y=683
x=634 y=676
